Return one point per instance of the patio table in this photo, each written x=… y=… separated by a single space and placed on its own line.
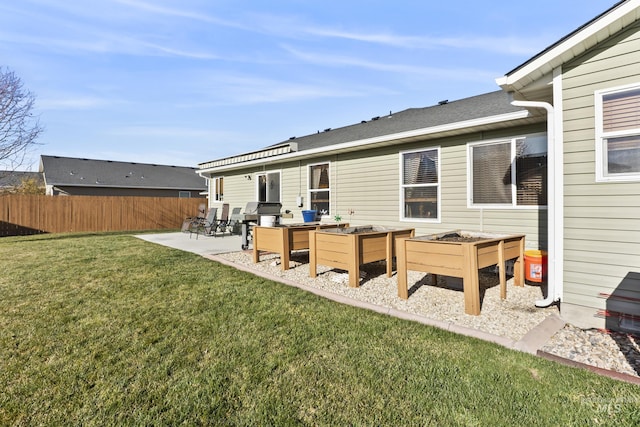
x=285 y=238
x=348 y=248
x=432 y=254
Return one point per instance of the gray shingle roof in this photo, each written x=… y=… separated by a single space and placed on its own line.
x=70 y=171
x=455 y=113
x=476 y=107
x=14 y=178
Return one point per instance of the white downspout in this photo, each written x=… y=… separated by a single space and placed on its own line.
x=551 y=192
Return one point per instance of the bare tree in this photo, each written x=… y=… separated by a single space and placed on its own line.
x=19 y=128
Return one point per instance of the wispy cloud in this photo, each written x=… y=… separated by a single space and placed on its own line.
x=66 y=28
x=153 y=48
x=172 y=132
x=294 y=27
x=72 y=103
x=104 y=42
x=505 y=45
x=180 y=13
x=256 y=90
x=332 y=60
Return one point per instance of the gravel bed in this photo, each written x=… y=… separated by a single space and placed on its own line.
x=613 y=351
x=511 y=318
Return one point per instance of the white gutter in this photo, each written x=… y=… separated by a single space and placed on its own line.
x=375 y=140
x=555 y=193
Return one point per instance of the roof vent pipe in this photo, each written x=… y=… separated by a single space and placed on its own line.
x=551 y=189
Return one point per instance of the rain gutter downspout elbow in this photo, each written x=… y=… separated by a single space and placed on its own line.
x=551 y=191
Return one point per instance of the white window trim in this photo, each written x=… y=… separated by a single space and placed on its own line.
x=438 y=186
x=600 y=135
x=514 y=191
x=309 y=191
x=257 y=182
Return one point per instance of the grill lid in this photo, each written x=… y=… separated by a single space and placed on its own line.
x=263 y=208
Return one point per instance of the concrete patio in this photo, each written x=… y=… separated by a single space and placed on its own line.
x=202 y=245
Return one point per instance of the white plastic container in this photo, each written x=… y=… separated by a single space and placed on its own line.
x=267 y=220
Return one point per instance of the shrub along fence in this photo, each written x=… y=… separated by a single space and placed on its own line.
x=32 y=214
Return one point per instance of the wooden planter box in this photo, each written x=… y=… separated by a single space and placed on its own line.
x=284 y=238
x=461 y=259
x=349 y=248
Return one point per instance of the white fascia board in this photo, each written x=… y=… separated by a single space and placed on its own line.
x=568 y=46
x=364 y=143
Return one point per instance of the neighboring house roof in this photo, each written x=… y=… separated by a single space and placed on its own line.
x=13 y=179
x=541 y=66
x=69 y=171
x=488 y=110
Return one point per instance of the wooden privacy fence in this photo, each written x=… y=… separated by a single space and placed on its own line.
x=32 y=214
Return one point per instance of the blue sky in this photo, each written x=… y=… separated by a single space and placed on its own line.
x=187 y=81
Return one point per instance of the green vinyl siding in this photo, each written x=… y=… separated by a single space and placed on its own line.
x=602 y=219
x=368 y=186
x=367 y=182
x=237 y=190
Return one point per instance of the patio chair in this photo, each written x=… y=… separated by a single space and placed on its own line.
x=235 y=221
x=223 y=223
x=190 y=221
x=205 y=225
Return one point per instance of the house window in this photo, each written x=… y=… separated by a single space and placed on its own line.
x=508 y=173
x=184 y=194
x=618 y=134
x=217 y=187
x=268 y=187
x=319 y=188
x=420 y=184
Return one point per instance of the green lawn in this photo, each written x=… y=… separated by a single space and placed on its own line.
x=110 y=330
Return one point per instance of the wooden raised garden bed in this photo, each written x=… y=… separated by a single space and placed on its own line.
x=349 y=248
x=461 y=254
x=285 y=238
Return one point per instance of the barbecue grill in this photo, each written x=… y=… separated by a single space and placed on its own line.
x=252 y=213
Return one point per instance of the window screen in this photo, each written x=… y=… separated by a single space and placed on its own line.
x=420 y=181
x=618 y=135
x=491 y=172
x=511 y=172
